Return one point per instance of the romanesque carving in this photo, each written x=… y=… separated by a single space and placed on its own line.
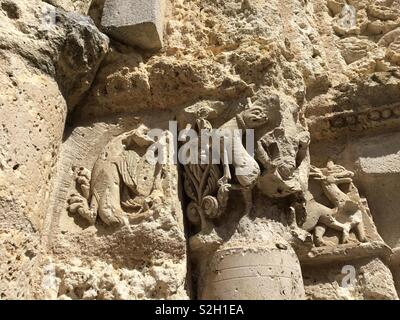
x=341 y=123
x=279 y=168
x=208 y=185
x=246 y=167
x=284 y=161
x=346 y=215
x=324 y=77
x=120 y=182
x=202 y=186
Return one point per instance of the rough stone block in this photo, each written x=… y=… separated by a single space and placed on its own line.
x=135 y=22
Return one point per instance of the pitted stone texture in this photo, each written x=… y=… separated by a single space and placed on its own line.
x=135 y=22
x=34 y=55
x=252 y=273
x=31 y=102
x=80 y=6
x=64 y=45
x=144 y=259
x=372 y=281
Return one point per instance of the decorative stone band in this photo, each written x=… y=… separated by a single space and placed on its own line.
x=371 y=119
x=345 y=253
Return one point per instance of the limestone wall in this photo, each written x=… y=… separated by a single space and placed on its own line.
x=83 y=215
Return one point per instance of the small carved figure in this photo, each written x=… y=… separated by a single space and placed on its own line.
x=347 y=213
x=233 y=152
x=206 y=185
x=121 y=179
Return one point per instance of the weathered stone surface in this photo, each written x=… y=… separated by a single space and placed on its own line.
x=83 y=216
x=34 y=55
x=135 y=22
x=140 y=255
x=253 y=272
x=373 y=282
x=80 y=6
x=66 y=46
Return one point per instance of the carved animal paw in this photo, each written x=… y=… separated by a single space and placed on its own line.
x=345 y=236
x=115 y=218
x=362 y=239
x=79 y=205
x=323 y=243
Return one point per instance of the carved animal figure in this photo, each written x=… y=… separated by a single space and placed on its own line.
x=204 y=183
x=347 y=213
x=284 y=161
x=233 y=152
x=120 y=178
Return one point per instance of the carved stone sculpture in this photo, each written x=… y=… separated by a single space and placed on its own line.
x=86 y=214
x=208 y=197
x=207 y=185
x=345 y=216
x=246 y=167
x=120 y=181
x=279 y=168
x=224 y=238
x=284 y=161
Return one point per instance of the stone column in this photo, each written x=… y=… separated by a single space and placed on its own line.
x=251 y=271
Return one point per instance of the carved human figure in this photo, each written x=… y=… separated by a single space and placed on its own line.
x=347 y=213
x=121 y=178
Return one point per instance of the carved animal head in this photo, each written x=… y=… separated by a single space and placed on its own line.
x=286 y=172
x=137 y=138
x=254 y=117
